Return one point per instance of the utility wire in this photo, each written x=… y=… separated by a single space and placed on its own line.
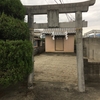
x=72 y=17
x=65 y=14
x=69 y=18
x=60 y=1
x=69 y=15
x=46 y=1
x=56 y=1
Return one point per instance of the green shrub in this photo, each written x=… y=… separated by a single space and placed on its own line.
x=15 y=61
x=13 y=29
x=13 y=8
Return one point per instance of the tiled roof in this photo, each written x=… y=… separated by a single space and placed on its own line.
x=59 y=31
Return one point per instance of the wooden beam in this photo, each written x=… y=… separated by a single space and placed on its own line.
x=61 y=25
x=63 y=8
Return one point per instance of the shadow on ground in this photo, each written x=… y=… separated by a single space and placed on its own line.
x=59 y=91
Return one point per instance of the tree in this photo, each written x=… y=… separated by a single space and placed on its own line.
x=15 y=47
x=13 y=8
x=13 y=29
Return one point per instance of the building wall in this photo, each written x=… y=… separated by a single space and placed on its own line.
x=91 y=47
x=68 y=44
x=49 y=44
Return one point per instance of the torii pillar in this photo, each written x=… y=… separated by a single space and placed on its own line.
x=79 y=48
x=53 y=10
x=31 y=75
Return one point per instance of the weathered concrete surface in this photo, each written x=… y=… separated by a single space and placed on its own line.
x=53 y=18
x=63 y=8
x=61 y=25
x=79 y=49
x=30 y=24
x=92 y=48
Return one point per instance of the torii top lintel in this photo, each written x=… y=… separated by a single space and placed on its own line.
x=62 y=8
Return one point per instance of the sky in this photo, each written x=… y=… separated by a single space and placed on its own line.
x=92 y=16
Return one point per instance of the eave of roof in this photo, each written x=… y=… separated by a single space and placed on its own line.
x=60 y=31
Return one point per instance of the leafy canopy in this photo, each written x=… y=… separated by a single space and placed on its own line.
x=13 y=8
x=13 y=29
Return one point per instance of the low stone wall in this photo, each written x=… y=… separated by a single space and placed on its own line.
x=39 y=50
x=92 y=71
x=91 y=48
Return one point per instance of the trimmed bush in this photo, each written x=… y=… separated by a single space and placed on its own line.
x=15 y=61
x=13 y=8
x=13 y=29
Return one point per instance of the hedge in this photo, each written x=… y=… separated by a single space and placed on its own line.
x=13 y=29
x=15 y=61
x=13 y=8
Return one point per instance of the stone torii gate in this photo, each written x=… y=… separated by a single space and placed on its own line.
x=53 y=22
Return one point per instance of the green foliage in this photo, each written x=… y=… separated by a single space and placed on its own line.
x=13 y=29
x=13 y=8
x=15 y=61
x=15 y=50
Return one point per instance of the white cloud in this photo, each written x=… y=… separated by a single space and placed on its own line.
x=40 y=18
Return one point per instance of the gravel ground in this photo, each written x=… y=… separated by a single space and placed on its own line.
x=55 y=78
x=56 y=68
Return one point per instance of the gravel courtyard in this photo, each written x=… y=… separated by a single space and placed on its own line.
x=55 y=78
x=56 y=68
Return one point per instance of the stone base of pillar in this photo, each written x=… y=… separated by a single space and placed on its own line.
x=30 y=81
